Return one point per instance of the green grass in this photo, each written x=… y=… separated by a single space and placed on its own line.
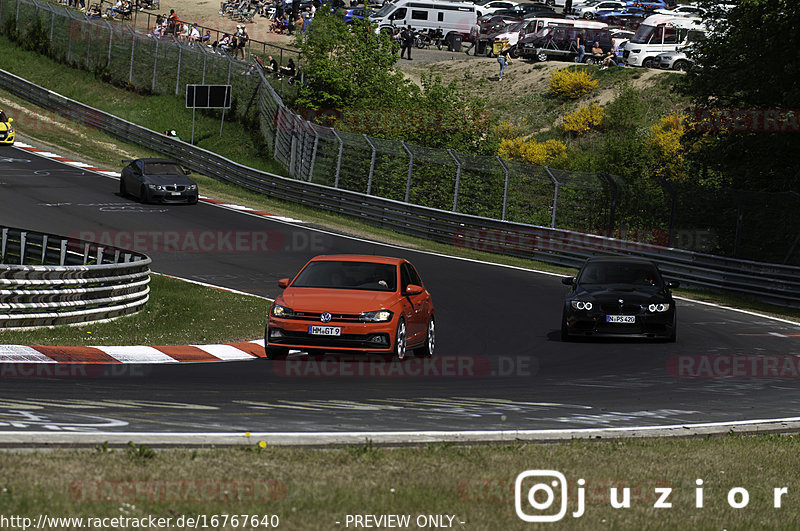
x=311 y=489
x=99 y=148
x=178 y=313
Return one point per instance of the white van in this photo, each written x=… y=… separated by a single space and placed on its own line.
x=453 y=18
x=659 y=34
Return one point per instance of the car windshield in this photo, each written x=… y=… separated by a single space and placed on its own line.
x=643 y=34
x=162 y=168
x=385 y=10
x=348 y=275
x=628 y=273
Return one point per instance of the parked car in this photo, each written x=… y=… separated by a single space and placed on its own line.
x=157 y=180
x=7 y=134
x=488 y=7
x=559 y=42
x=683 y=10
x=589 y=11
x=619 y=297
x=676 y=60
x=491 y=25
x=346 y=303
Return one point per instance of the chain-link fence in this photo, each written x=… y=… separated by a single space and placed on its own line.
x=750 y=225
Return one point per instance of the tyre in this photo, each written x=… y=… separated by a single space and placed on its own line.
x=648 y=63
x=541 y=56
x=589 y=60
x=439 y=44
x=419 y=43
x=399 y=351
x=513 y=52
x=564 y=330
x=426 y=350
x=681 y=65
x=276 y=353
x=588 y=15
x=142 y=194
x=122 y=191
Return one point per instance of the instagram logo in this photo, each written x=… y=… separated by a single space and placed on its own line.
x=537 y=489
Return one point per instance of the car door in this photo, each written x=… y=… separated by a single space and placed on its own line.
x=417 y=315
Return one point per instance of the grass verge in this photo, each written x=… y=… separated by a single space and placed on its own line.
x=91 y=145
x=315 y=489
x=177 y=313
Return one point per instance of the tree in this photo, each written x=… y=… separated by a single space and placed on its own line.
x=747 y=95
x=352 y=81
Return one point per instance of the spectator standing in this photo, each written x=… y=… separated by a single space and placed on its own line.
x=502 y=59
x=474 y=35
x=579 y=45
x=406 y=41
x=243 y=38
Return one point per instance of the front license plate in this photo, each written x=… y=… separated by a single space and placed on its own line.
x=175 y=193
x=628 y=319
x=324 y=330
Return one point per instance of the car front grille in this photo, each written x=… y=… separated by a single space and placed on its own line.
x=175 y=188
x=335 y=317
x=614 y=308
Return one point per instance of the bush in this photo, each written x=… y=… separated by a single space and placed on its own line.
x=665 y=141
x=584 y=119
x=550 y=152
x=572 y=83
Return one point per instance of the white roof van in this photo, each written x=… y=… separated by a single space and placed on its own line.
x=453 y=18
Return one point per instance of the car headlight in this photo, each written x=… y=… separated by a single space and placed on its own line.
x=281 y=311
x=155 y=186
x=378 y=316
x=660 y=307
x=191 y=187
x=581 y=305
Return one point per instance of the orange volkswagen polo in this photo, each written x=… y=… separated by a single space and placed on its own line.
x=370 y=304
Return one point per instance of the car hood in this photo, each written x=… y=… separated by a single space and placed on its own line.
x=4 y=126
x=336 y=300
x=167 y=179
x=629 y=294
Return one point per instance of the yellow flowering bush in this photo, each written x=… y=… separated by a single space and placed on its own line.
x=548 y=153
x=584 y=119
x=665 y=141
x=572 y=83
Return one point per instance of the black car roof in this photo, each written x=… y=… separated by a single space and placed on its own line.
x=156 y=160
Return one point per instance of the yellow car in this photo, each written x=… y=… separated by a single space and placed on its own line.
x=7 y=134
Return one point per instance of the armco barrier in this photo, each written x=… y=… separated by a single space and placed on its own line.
x=777 y=284
x=50 y=280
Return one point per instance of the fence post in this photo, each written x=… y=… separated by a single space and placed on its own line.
x=458 y=179
x=410 y=170
x=44 y=248
x=205 y=64
x=673 y=207
x=155 y=68
x=313 y=157
x=16 y=22
x=133 y=47
x=3 y=246
x=505 y=187
x=178 y=77
x=23 y=236
x=62 y=259
x=52 y=21
x=88 y=43
x=371 y=163
x=69 y=42
x=555 y=197
x=110 y=42
x=230 y=66
x=611 y=215
x=338 y=158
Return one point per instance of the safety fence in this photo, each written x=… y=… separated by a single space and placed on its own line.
x=778 y=284
x=47 y=279
x=750 y=225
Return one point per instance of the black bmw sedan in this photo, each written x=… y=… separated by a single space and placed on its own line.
x=619 y=297
x=157 y=180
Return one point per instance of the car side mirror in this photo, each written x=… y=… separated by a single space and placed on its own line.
x=413 y=289
x=284 y=283
x=10 y=120
x=672 y=284
x=568 y=281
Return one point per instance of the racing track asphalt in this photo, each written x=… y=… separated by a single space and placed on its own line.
x=497 y=342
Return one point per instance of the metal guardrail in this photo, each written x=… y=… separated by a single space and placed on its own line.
x=47 y=280
x=777 y=284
